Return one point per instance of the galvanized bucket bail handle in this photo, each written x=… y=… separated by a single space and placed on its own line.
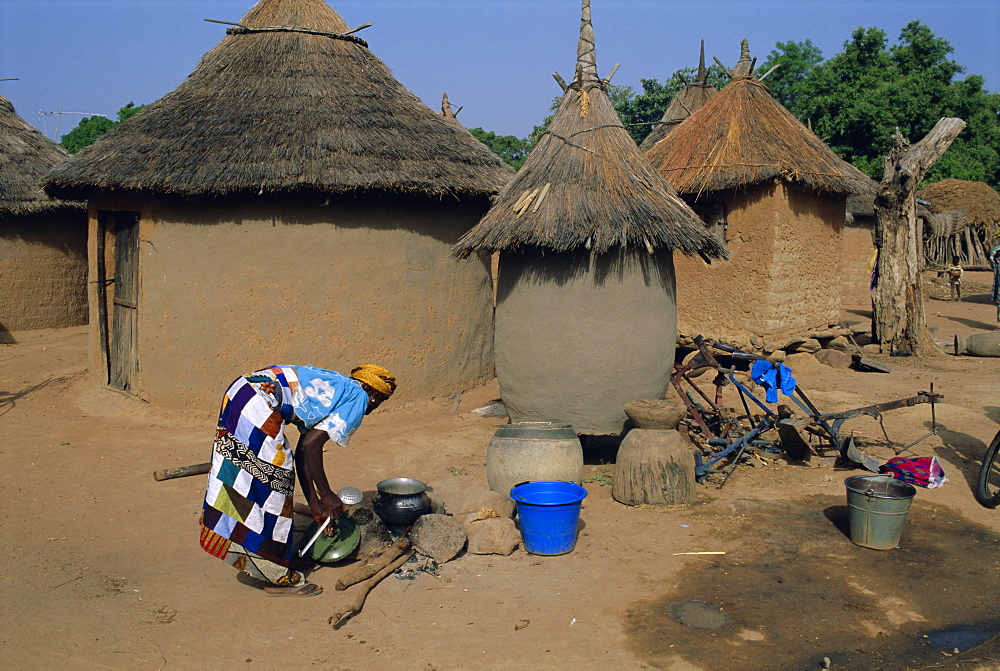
x=870 y=495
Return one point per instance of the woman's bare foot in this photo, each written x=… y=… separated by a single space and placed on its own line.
x=309 y=589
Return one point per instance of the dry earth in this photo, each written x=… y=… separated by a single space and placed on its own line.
x=100 y=566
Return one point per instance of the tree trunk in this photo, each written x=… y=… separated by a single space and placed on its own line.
x=898 y=301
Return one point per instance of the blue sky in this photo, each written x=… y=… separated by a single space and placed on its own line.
x=493 y=57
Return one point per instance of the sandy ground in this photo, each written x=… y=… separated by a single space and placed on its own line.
x=100 y=566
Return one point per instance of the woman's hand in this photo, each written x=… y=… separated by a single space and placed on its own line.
x=332 y=507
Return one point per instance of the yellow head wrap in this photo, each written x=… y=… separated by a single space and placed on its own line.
x=376 y=377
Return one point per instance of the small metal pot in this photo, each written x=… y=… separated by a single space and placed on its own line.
x=400 y=501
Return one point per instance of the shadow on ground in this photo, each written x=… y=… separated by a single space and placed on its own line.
x=801 y=591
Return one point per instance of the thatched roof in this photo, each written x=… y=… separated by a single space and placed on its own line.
x=980 y=202
x=743 y=137
x=586 y=185
x=688 y=100
x=25 y=156
x=286 y=102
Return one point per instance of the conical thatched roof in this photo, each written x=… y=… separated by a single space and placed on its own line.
x=25 y=156
x=586 y=185
x=286 y=102
x=743 y=137
x=980 y=202
x=689 y=100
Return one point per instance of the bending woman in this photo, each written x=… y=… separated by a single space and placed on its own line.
x=247 y=517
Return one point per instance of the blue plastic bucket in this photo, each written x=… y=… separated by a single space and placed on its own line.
x=549 y=514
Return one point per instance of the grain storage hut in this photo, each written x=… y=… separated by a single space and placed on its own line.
x=289 y=202
x=585 y=317
x=768 y=188
x=43 y=241
x=964 y=222
x=689 y=100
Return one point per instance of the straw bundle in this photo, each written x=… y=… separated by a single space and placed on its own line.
x=980 y=202
x=586 y=185
x=25 y=156
x=688 y=101
x=743 y=137
x=286 y=103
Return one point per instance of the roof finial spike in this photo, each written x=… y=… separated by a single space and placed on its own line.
x=702 y=78
x=744 y=68
x=586 y=58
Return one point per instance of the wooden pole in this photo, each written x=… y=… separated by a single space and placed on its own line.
x=898 y=322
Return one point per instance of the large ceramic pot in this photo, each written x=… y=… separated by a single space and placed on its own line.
x=533 y=452
x=400 y=501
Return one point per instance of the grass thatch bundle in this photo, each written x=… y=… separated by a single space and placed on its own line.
x=689 y=100
x=286 y=102
x=980 y=202
x=743 y=137
x=586 y=185
x=25 y=156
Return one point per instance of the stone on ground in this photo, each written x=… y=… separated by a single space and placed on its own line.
x=493 y=536
x=479 y=499
x=440 y=537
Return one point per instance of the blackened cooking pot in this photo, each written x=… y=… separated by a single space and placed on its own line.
x=400 y=501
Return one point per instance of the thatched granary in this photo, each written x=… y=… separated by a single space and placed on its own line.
x=688 y=100
x=770 y=189
x=585 y=317
x=43 y=241
x=289 y=202
x=964 y=222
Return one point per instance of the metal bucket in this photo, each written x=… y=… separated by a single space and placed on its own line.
x=878 y=506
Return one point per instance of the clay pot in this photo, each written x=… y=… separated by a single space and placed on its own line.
x=978 y=344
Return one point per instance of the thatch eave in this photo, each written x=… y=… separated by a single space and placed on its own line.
x=741 y=138
x=276 y=111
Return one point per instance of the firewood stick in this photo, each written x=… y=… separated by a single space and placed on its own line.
x=366 y=587
x=181 y=472
x=377 y=563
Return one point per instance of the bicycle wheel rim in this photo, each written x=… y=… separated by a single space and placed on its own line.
x=988 y=486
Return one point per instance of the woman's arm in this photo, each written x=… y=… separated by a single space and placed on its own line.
x=312 y=477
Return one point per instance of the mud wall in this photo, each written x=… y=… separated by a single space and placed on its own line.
x=43 y=271
x=857 y=254
x=783 y=274
x=579 y=336
x=226 y=289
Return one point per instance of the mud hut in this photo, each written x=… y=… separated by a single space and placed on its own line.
x=689 y=100
x=964 y=222
x=43 y=241
x=775 y=195
x=585 y=317
x=290 y=202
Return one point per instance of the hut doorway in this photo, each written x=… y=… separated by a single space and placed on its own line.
x=121 y=230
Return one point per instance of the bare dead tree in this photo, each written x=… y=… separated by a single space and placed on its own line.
x=898 y=322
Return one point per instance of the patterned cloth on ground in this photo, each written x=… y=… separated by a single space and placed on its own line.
x=922 y=471
x=247 y=518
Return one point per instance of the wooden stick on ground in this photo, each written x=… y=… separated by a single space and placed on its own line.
x=340 y=617
x=181 y=472
x=376 y=564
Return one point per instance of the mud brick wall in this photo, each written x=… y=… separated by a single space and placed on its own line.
x=783 y=275
x=43 y=271
x=227 y=288
x=858 y=249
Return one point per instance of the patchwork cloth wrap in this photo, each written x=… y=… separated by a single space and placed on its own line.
x=247 y=515
x=920 y=471
x=773 y=377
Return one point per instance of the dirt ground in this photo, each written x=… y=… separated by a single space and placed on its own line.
x=100 y=566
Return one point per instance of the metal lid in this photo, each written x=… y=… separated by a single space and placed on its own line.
x=350 y=495
x=536 y=430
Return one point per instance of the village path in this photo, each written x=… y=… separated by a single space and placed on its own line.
x=100 y=566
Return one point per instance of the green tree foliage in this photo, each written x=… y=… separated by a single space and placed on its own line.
x=511 y=149
x=640 y=111
x=92 y=127
x=856 y=99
